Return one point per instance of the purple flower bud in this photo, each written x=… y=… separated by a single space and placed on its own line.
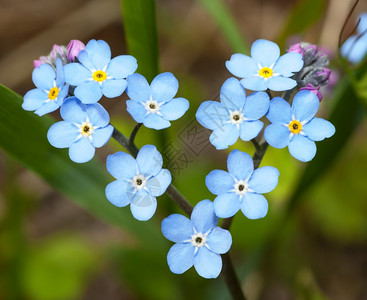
x=312 y=48
x=37 y=63
x=325 y=73
x=57 y=51
x=296 y=48
x=312 y=89
x=74 y=47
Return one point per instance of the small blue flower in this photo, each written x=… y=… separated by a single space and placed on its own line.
x=296 y=127
x=265 y=69
x=241 y=187
x=50 y=92
x=97 y=74
x=199 y=242
x=138 y=182
x=355 y=47
x=154 y=105
x=85 y=127
x=234 y=116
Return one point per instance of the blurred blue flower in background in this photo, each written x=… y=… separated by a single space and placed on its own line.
x=154 y=105
x=51 y=90
x=138 y=182
x=241 y=187
x=85 y=127
x=296 y=127
x=97 y=74
x=265 y=69
x=199 y=242
x=234 y=116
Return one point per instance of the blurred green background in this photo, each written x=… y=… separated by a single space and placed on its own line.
x=60 y=239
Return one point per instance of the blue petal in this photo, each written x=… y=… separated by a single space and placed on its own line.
x=34 y=99
x=164 y=87
x=177 y=228
x=254 y=206
x=305 y=105
x=232 y=94
x=226 y=205
x=155 y=121
x=288 y=63
x=99 y=53
x=318 y=129
x=88 y=92
x=277 y=135
x=138 y=88
x=60 y=75
x=265 y=52
x=159 y=183
x=224 y=136
x=362 y=25
x=43 y=77
x=76 y=74
x=149 y=161
x=219 y=240
x=354 y=48
x=98 y=116
x=47 y=108
x=101 y=136
x=121 y=166
x=180 y=257
x=212 y=115
x=256 y=106
x=122 y=66
x=116 y=192
x=113 y=88
x=280 y=83
x=62 y=134
x=240 y=164
x=207 y=263
x=84 y=58
x=203 y=218
x=264 y=180
x=81 y=151
x=219 y=182
x=255 y=83
x=250 y=130
x=136 y=110
x=174 y=109
x=143 y=205
x=302 y=148
x=73 y=111
x=279 y=111
x=241 y=65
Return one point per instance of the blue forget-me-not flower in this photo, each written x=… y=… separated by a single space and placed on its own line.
x=234 y=116
x=51 y=89
x=199 y=242
x=154 y=105
x=265 y=69
x=85 y=127
x=241 y=187
x=138 y=182
x=98 y=74
x=296 y=126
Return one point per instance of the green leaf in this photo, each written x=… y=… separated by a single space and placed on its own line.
x=141 y=34
x=227 y=25
x=23 y=136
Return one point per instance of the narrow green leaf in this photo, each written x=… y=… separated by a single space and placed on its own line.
x=23 y=136
x=141 y=34
x=227 y=25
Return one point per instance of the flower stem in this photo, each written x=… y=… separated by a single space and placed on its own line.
x=231 y=279
x=134 y=132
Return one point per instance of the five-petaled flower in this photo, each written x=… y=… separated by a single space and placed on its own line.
x=234 y=116
x=51 y=90
x=154 y=105
x=265 y=69
x=85 y=127
x=199 y=242
x=241 y=187
x=296 y=126
x=98 y=74
x=138 y=182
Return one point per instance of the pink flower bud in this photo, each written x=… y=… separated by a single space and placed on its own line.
x=37 y=63
x=296 y=48
x=74 y=47
x=56 y=51
x=313 y=90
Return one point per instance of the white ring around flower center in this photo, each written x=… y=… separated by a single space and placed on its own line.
x=152 y=106
x=139 y=182
x=236 y=117
x=86 y=129
x=241 y=187
x=198 y=240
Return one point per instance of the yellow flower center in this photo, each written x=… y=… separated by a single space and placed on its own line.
x=99 y=76
x=52 y=94
x=295 y=127
x=266 y=72
x=86 y=129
